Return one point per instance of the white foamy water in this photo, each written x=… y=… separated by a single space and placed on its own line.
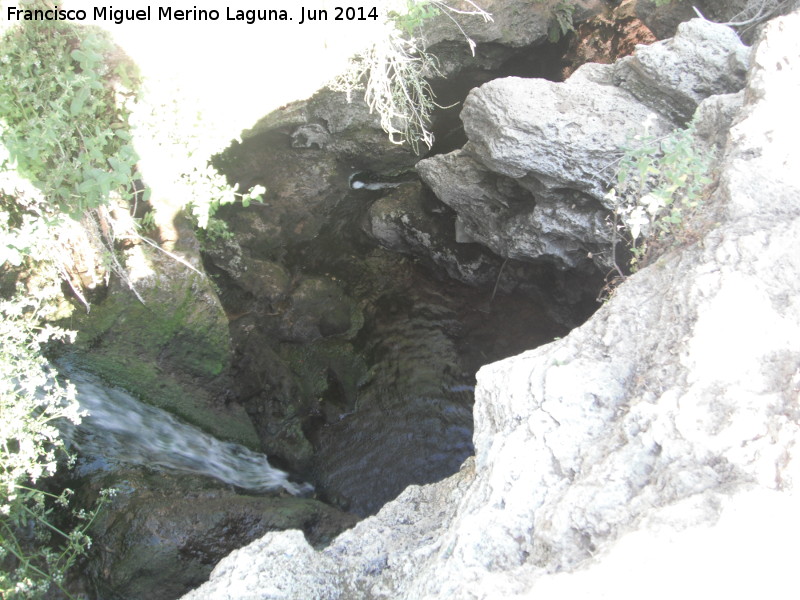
x=121 y=429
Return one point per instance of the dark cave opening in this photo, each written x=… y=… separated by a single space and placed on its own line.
x=492 y=61
x=366 y=351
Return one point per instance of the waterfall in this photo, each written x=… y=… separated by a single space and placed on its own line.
x=121 y=429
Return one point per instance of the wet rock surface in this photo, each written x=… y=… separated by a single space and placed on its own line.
x=163 y=534
x=358 y=314
x=513 y=24
x=166 y=340
x=409 y=221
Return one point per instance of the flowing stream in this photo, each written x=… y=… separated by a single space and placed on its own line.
x=120 y=429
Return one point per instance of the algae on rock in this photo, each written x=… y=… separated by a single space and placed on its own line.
x=173 y=349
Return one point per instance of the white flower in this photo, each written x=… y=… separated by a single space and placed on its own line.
x=637 y=221
x=653 y=204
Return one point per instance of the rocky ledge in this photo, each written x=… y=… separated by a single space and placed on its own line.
x=651 y=451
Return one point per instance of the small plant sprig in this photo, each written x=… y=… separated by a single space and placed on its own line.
x=415 y=15
x=208 y=185
x=394 y=72
x=661 y=184
x=562 y=22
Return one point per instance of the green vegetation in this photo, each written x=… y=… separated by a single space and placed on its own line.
x=562 y=21
x=394 y=72
x=67 y=172
x=65 y=95
x=415 y=15
x=36 y=549
x=210 y=191
x=63 y=126
x=64 y=118
x=661 y=184
x=164 y=352
x=41 y=534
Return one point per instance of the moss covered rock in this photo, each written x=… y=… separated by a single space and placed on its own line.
x=165 y=340
x=163 y=534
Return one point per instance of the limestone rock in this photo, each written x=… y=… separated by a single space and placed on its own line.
x=674 y=76
x=559 y=134
x=668 y=421
x=401 y=222
x=531 y=181
x=519 y=32
x=279 y=579
x=715 y=116
x=172 y=348
x=664 y=18
x=508 y=219
x=162 y=534
x=513 y=23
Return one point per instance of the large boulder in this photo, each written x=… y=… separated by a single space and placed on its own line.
x=513 y=23
x=659 y=438
x=498 y=212
x=672 y=77
x=556 y=134
x=162 y=534
x=402 y=221
x=663 y=18
x=531 y=182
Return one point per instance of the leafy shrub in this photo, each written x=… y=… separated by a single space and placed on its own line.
x=63 y=129
x=209 y=191
x=661 y=184
x=35 y=550
x=34 y=553
x=63 y=114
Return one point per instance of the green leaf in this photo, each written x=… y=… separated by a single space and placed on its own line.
x=78 y=55
x=78 y=101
